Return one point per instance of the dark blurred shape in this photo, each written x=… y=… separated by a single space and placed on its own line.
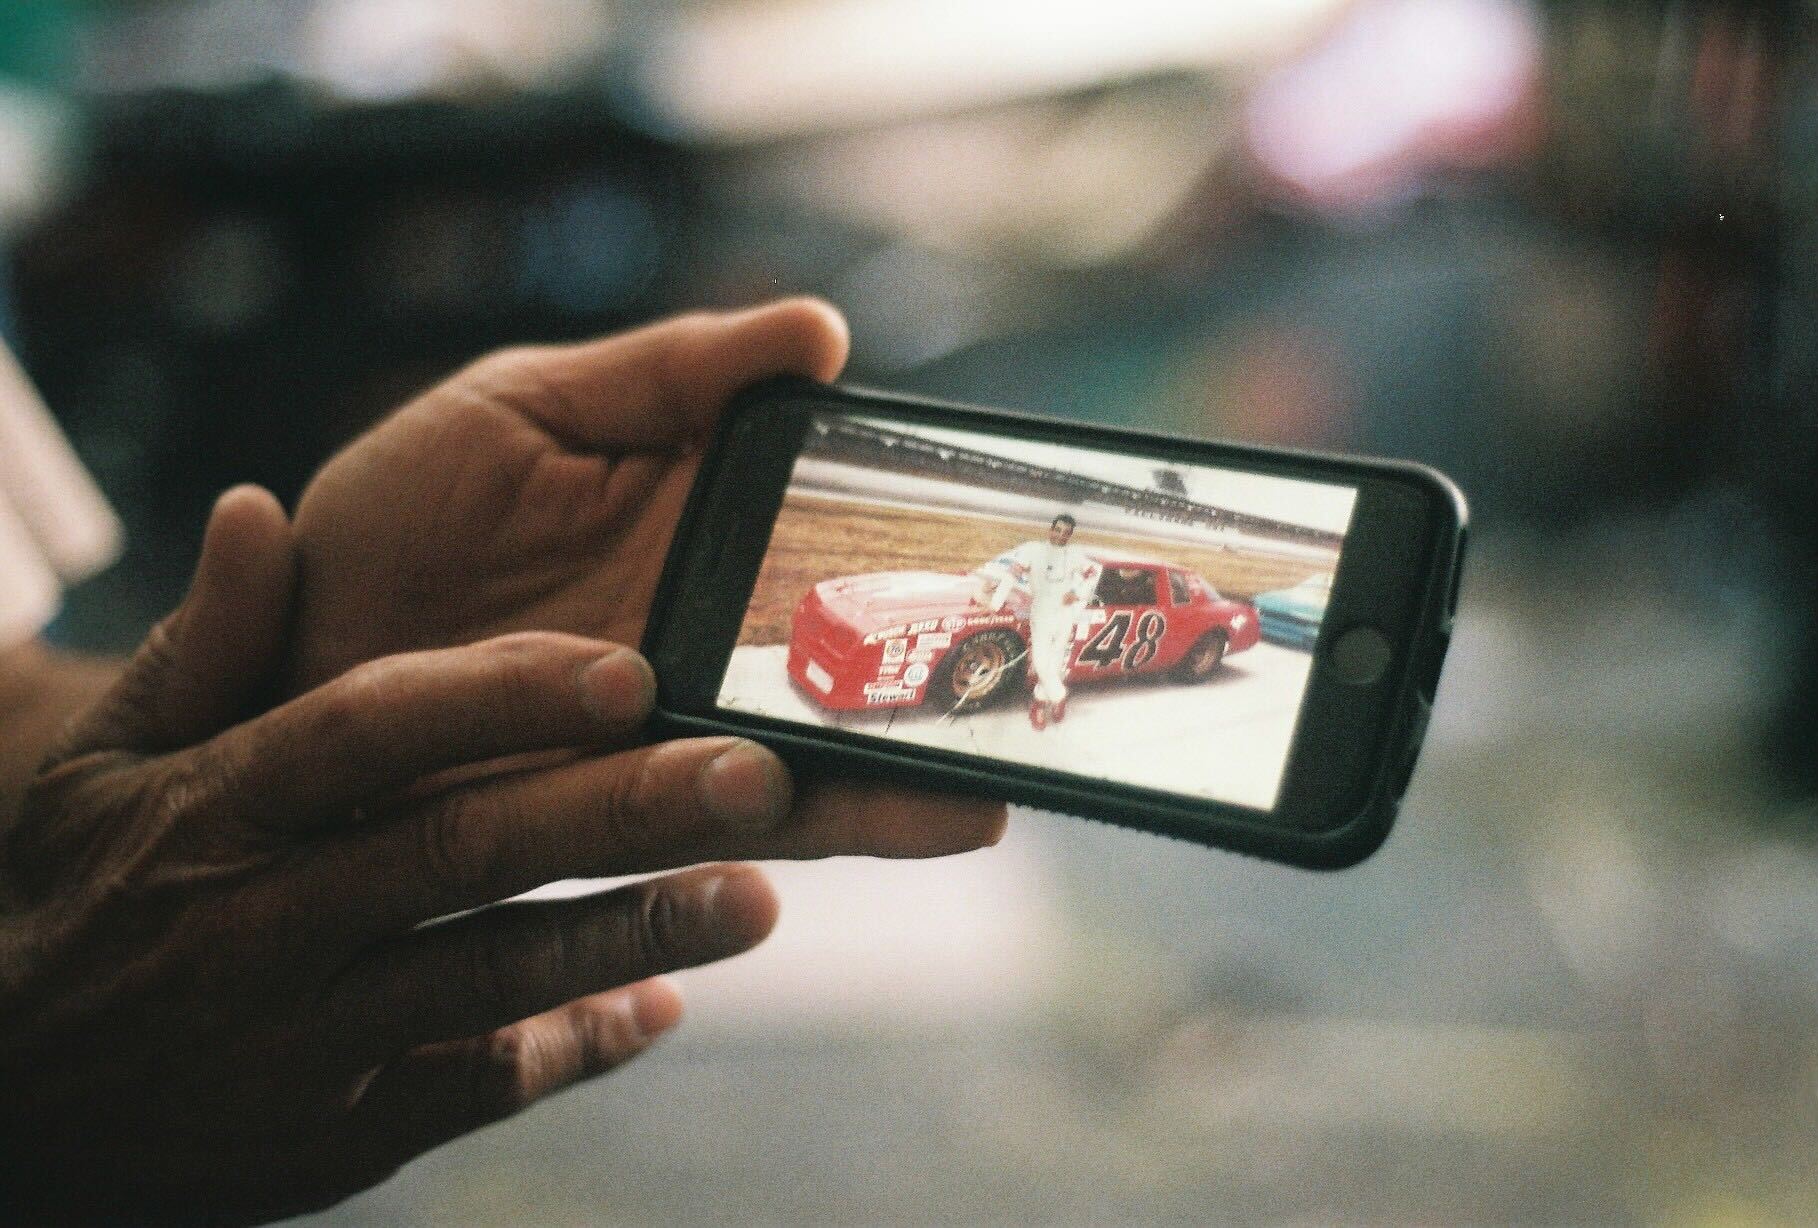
x=1684 y=134
x=250 y=277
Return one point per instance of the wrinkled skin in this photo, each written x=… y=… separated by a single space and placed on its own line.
x=536 y=489
x=218 y=1002
x=539 y=488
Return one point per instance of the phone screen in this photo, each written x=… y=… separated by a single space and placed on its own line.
x=1115 y=616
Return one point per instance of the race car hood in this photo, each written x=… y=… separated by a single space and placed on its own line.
x=885 y=598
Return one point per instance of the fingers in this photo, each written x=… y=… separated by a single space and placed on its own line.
x=385 y=724
x=485 y=969
x=655 y=808
x=591 y=818
x=842 y=818
x=852 y=819
x=201 y=666
x=666 y=383
x=439 y=1092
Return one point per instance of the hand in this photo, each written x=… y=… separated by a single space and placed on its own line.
x=539 y=489
x=216 y=1000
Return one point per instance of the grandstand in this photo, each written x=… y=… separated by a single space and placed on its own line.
x=844 y=440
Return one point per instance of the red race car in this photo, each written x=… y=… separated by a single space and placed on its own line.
x=896 y=639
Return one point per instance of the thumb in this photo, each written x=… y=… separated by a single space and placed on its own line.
x=201 y=666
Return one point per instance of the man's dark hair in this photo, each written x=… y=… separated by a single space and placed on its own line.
x=1070 y=522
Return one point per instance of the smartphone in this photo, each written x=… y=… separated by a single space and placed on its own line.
x=1228 y=644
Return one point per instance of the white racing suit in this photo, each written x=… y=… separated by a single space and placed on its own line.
x=1053 y=573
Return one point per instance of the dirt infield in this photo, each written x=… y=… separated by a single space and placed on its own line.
x=818 y=538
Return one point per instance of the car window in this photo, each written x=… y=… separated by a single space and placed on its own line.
x=1177 y=585
x=1127 y=586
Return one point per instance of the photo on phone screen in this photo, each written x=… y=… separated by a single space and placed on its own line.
x=1104 y=614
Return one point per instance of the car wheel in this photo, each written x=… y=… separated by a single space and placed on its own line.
x=978 y=669
x=1203 y=659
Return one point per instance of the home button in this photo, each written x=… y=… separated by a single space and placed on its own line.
x=1360 y=656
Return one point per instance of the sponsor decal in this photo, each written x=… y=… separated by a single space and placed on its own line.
x=953 y=622
x=933 y=639
x=819 y=678
x=895 y=651
x=888 y=693
x=887 y=671
x=924 y=654
x=878 y=637
x=926 y=624
x=915 y=675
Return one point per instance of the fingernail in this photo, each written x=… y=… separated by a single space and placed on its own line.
x=746 y=785
x=619 y=687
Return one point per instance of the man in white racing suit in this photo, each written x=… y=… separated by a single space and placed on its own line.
x=1060 y=579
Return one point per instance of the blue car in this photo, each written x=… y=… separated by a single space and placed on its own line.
x=1291 y=616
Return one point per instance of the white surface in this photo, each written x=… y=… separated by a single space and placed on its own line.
x=1225 y=738
x=888 y=944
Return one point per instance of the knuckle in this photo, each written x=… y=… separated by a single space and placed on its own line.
x=517 y=644
x=513 y=378
x=523 y=651
x=691 y=321
x=502 y=366
x=607 y=1034
x=188 y=788
x=159 y=650
x=452 y=856
x=505 y=1072
x=356 y=709
x=630 y=798
x=661 y=930
x=462 y=413
x=350 y=699
x=529 y=956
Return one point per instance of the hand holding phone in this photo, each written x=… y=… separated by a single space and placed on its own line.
x=538 y=490
x=1232 y=645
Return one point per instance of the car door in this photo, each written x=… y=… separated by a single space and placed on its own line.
x=1125 y=628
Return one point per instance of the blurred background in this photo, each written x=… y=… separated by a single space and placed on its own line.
x=1568 y=252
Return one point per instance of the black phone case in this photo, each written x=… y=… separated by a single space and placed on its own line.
x=1201 y=821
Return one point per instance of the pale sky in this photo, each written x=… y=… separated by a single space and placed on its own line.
x=1313 y=505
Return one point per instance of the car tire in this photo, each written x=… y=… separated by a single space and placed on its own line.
x=979 y=669
x=1203 y=659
